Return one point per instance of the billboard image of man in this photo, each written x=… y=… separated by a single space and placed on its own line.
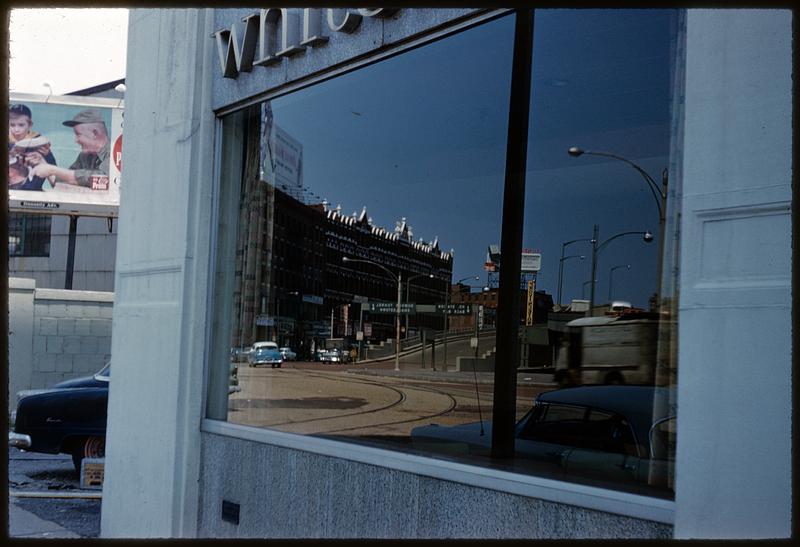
x=91 y=168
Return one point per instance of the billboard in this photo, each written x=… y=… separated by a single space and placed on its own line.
x=281 y=155
x=64 y=154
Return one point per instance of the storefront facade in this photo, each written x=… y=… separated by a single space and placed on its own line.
x=209 y=94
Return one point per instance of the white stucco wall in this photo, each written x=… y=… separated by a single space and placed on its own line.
x=154 y=409
x=734 y=473
x=733 y=468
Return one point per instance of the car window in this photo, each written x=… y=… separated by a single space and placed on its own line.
x=581 y=428
x=609 y=433
x=559 y=424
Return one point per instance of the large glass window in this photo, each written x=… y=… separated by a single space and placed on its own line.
x=358 y=251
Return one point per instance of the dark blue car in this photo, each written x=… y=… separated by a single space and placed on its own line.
x=68 y=418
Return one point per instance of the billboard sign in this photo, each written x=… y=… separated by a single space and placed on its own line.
x=64 y=154
x=281 y=155
x=531 y=262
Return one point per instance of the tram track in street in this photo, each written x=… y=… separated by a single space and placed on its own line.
x=402 y=397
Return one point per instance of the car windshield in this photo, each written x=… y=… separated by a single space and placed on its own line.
x=105 y=372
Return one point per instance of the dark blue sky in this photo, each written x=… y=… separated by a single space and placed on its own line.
x=422 y=136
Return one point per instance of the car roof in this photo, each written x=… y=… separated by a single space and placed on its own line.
x=633 y=402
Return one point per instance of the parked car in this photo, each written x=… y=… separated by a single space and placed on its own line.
x=265 y=353
x=68 y=418
x=335 y=356
x=606 y=432
x=288 y=354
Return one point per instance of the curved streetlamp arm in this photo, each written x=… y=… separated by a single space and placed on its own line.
x=657 y=193
x=610 y=239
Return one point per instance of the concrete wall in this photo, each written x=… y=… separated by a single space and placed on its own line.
x=55 y=335
x=95 y=252
x=734 y=472
x=286 y=493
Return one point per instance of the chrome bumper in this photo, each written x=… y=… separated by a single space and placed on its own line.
x=18 y=440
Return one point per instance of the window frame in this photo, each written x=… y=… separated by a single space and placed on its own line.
x=558 y=491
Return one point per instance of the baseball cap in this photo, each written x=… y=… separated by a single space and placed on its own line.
x=20 y=110
x=85 y=116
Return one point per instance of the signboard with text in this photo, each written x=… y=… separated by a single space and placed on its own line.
x=64 y=154
x=454 y=309
x=389 y=307
x=531 y=262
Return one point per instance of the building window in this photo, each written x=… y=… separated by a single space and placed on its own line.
x=395 y=164
x=28 y=235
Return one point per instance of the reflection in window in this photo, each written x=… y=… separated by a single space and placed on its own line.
x=383 y=186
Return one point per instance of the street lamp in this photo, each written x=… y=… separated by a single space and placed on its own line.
x=408 y=282
x=647 y=237
x=611 y=277
x=561 y=264
x=447 y=315
x=660 y=195
x=399 y=279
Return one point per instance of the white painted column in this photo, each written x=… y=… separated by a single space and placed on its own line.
x=733 y=472
x=154 y=411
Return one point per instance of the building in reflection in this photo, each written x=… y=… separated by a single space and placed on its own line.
x=307 y=294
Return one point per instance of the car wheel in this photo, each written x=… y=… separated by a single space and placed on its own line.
x=279 y=365
x=91 y=447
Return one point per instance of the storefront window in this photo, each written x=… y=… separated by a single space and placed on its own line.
x=358 y=246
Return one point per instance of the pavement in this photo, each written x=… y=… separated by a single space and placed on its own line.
x=45 y=499
x=24 y=524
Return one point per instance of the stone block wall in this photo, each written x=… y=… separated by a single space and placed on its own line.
x=55 y=335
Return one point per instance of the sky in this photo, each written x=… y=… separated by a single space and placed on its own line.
x=55 y=45
x=422 y=136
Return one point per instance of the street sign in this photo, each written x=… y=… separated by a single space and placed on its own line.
x=265 y=321
x=531 y=262
x=390 y=307
x=367 y=329
x=360 y=335
x=360 y=299
x=454 y=309
x=473 y=342
x=531 y=301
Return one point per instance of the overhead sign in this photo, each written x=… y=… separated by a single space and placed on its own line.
x=531 y=262
x=454 y=309
x=265 y=321
x=64 y=154
x=390 y=307
x=312 y=298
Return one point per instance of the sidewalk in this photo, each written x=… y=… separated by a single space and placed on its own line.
x=24 y=524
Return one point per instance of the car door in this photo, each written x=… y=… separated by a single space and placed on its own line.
x=550 y=432
x=607 y=449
